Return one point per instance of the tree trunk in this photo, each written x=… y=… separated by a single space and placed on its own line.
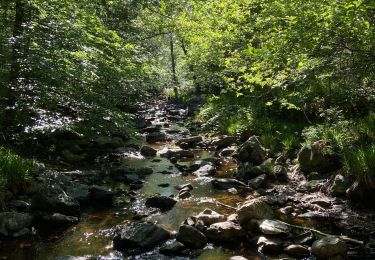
x=173 y=61
x=191 y=68
x=9 y=96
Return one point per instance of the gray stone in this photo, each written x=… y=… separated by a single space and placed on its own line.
x=258 y=182
x=317 y=157
x=172 y=248
x=59 y=220
x=329 y=246
x=227 y=183
x=310 y=186
x=14 y=222
x=297 y=250
x=223 y=142
x=55 y=200
x=206 y=170
x=156 y=137
x=269 y=245
x=224 y=232
x=252 y=151
x=139 y=235
x=79 y=192
x=148 y=151
x=190 y=140
x=209 y=217
x=254 y=209
x=191 y=237
x=340 y=185
x=273 y=227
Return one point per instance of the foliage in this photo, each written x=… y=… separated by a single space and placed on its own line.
x=13 y=168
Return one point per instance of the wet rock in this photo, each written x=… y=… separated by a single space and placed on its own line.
x=139 y=235
x=233 y=191
x=184 y=194
x=214 y=160
x=164 y=185
x=79 y=192
x=237 y=258
x=191 y=237
x=223 y=142
x=286 y=210
x=56 y=201
x=19 y=205
x=206 y=170
x=190 y=141
x=58 y=220
x=227 y=183
x=316 y=157
x=227 y=152
x=12 y=222
x=172 y=248
x=273 y=227
x=198 y=164
x=233 y=218
x=224 y=232
x=176 y=153
x=258 y=181
x=209 y=217
x=310 y=186
x=156 y=137
x=148 y=151
x=329 y=246
x=269 y=245
x=297 y=250
x=101 y=194
x=184 y=186
x=306 y=238
x=254 y=209
x=128 y=174
x=108 y=142
x=161 y=202
x=251 y=151
x=339 y=186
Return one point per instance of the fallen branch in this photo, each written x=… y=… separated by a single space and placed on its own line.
x=225 y=205
x=344 y=238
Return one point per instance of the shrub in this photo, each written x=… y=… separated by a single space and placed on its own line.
x=13 y=168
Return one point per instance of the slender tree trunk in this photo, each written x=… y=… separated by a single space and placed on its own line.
x=173 y=61
x=9 y=97
x=191 y=68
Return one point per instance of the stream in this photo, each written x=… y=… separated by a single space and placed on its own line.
x=91 y=238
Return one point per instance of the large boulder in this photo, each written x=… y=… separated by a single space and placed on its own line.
x=329 y=246
x=13 y=222
x=191 y=237
x=318 y=157
x=79 y=192
x=251 y=151
x=139 y=235
x=254 y=209
x=55 y=200
x=161 y=202
x=172 y=248
x=224 y=232
x=227 y=183
x=297 y=251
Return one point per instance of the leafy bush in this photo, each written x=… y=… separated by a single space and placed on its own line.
x=13 y=168
x=360 y=161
